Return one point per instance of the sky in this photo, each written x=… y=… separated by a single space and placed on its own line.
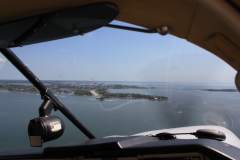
x=116 y=55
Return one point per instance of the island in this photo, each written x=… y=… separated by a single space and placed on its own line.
x=104 y=94
x=99 y=90
x=220 y=90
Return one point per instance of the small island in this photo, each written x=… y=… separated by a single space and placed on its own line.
x=104 y=94
x=220 y=90
x=99 y=90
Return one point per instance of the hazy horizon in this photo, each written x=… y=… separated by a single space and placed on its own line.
x=123 y=82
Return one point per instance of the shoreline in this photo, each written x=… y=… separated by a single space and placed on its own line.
x=99 y=91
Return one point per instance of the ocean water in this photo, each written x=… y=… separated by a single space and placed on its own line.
x=186 y=105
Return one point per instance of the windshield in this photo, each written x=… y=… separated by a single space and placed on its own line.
x=119 y=83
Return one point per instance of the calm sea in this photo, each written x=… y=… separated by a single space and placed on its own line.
x=187 y=105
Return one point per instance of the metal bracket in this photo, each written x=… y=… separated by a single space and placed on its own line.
x=163 y=30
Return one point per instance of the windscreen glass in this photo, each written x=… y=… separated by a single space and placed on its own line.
x=119 y=83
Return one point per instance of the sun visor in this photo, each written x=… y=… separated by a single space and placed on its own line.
x=57 y=25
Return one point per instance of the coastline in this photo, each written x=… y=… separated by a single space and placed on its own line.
x=99 y=91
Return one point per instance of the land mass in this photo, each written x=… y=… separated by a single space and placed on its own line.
x=100 y=91
x=220 y=90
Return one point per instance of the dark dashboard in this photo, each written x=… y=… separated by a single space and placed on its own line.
x=137 y=148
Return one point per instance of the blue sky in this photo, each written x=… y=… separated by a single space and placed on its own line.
x=116 y=55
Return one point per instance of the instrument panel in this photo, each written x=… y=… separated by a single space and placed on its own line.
x=178 y=156
x=137 y=148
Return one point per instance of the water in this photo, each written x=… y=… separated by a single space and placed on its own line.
x=186 y=105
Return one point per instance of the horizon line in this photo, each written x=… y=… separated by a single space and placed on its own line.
x=117 y=81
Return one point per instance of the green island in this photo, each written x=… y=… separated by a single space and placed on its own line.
x=99 y=91
x=220 y=90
